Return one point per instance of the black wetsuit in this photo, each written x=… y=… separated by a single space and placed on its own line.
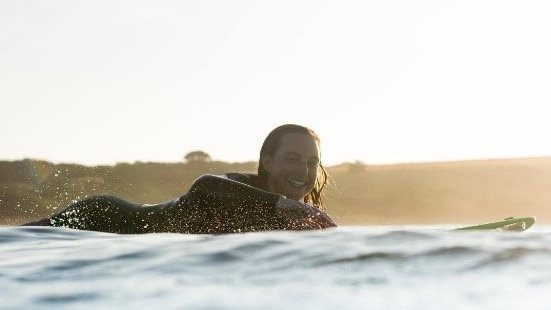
x=214 y=204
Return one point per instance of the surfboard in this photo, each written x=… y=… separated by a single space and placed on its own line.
x=508 y=224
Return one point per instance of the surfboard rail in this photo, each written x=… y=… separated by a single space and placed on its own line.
x=508 y=224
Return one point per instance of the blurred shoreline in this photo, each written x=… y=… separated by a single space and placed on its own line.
x=458 y=192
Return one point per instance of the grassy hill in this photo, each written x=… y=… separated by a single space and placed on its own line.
x=449 y=192
x=422 y=193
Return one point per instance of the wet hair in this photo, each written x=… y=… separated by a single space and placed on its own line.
x=271 y=145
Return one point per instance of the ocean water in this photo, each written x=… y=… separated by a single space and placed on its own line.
x=377 y=267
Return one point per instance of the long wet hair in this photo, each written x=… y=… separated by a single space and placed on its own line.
x=271 y=145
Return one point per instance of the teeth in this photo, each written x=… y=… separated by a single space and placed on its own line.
x=296 y=183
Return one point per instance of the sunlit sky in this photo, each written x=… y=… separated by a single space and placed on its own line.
x=102 y=82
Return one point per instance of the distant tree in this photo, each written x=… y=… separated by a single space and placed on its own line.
x=197 y=157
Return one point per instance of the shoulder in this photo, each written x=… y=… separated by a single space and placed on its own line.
x=215 y=181
x=247 y=178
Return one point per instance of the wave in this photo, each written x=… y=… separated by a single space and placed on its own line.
x=346 y=245
x=43 y=266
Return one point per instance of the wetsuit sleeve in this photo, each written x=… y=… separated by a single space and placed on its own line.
x=215 y=204
x=221 y=189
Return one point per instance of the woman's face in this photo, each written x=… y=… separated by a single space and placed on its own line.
x=293 y=169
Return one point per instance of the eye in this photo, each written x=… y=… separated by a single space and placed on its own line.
x=314 y=162
x=292 y=160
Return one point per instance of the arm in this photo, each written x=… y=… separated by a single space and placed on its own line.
x=302 y=216
x=225 y=192
x=217 y=204
x=299 y=215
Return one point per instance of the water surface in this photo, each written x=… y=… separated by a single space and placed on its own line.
x=377 y=267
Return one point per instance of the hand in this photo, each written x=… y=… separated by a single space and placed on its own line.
x=303 y=216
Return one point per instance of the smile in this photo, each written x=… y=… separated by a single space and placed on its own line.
x=296 y=183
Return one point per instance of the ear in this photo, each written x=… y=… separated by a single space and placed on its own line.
x=267 y=161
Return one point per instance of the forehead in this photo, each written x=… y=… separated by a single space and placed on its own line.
x=298 y=143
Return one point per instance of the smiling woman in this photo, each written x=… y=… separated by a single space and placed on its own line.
x=290 y=162
x=284 y=195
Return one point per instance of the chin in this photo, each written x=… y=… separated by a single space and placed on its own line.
x=298 y=197
x=295 y=193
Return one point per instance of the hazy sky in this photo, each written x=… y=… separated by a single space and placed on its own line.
x=101 y=82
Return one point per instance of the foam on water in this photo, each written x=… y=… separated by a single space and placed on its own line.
x=343 y=268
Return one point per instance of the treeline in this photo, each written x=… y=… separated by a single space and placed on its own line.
x=426 y=193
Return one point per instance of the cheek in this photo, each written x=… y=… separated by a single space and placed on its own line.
x=313 y=175
x=280 y=170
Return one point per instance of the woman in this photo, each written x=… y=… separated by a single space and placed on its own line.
x=285 y=194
